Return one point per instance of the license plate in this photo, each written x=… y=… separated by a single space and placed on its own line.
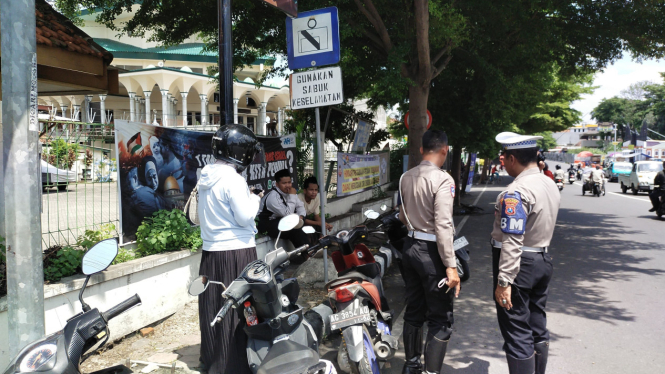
x=460 y=243
x=349 y=317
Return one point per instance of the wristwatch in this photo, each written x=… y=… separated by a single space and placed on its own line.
x=503 y=283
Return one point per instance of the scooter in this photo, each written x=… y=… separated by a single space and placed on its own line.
x=571 y=177
x=281 y=341
x=61 y=352
x=559 y=183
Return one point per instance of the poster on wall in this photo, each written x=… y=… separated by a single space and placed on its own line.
x=469 y=181
x=357 y=173
x=159 y=167
x=362 y=136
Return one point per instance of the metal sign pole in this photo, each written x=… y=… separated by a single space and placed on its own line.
x=324 y=194
x=225 y=62
x=20 y=176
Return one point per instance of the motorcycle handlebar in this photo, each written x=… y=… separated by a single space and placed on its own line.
x=298 y=250
x=122 y=307
x=222 y=312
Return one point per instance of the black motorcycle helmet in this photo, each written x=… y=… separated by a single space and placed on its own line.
x=558 y=167
x=238 y=145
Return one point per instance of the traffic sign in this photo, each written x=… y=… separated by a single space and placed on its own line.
x=429 y=121
x=312 y=39
x=315 y=88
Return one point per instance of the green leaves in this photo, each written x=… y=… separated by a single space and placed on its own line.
x=61 y=154
x=166 y=230
x=66 y=262
x=92 y=237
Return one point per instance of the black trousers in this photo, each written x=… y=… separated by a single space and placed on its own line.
x=425 y=301
x=296 y=236
x=525 y=324
x=224 y=346
x=654 y=195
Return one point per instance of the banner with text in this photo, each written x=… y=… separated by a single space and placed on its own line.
x=159 y=167
x=357 y=173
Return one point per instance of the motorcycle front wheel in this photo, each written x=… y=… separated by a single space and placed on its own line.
x=369 y=364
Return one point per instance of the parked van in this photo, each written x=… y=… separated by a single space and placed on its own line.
x=618 y=168
x=641 y=176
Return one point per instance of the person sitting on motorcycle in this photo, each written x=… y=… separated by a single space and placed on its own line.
x=547 y=172
x=658 y=191
x=559 y=174
x=597 y=176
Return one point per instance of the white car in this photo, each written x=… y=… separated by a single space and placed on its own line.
x=54 y=177
x=641 y=176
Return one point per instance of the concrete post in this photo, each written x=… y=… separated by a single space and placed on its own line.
x=148 y=113
x=203 y=108
x=64 y=110
x=88 y=116
x=235 y=110
x=131 y=106
x=280 y=120
x=175 y=112
x=261 y=126
x=165 y=105
x=102 y=107
x=183 y=95
x=20 y=175
x=169 y=109
x=77 y=110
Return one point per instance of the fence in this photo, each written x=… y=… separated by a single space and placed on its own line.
x=78 y=180
x=568 y=158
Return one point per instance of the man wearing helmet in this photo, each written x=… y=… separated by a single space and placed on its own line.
x=559 y=174
x=227 y=210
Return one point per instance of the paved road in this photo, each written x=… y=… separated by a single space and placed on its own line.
x=606 y=308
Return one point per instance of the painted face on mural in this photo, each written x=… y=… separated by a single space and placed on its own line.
x=151 y=178
x=133 y=178
x=155 y=146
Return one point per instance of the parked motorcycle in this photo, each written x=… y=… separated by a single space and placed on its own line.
x=62 y=352
x=280 y=340
x=559 y=183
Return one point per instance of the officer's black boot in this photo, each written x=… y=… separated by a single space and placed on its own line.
x=542 y=349
x=413 y=349
x=523 y=366
x=435 y=352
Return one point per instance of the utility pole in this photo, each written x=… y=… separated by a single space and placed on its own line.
x=20 y=175
x=225 y=61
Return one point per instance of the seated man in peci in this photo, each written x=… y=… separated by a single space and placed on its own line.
x=281 y=201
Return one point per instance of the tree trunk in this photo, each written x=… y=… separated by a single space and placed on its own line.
x=465 y=176
x=456 y=164
x=417 y=121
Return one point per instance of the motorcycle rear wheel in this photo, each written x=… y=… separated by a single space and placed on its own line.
x=368 y=364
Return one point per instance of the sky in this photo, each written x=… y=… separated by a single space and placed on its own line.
x=616 y=78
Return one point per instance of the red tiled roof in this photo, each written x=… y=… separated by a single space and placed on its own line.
x=55 y=30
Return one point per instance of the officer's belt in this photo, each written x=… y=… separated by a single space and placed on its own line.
x=497 y=244
x=422 y=236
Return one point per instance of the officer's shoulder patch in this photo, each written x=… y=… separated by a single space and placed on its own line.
x=513 y=216
x=452 y=191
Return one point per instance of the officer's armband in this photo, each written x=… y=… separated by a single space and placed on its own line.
x=513 y=216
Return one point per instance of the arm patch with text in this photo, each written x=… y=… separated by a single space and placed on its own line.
x=513 y=216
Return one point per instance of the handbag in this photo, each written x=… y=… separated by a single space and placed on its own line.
x=192 y=206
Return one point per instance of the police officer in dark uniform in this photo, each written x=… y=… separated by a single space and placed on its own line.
x=523 y=226
x=657 y=192
x=428 y=258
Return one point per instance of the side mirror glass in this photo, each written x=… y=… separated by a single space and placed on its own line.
x=288 y=222
x=199 y=285
x=384 y=207
x=100 y=256
x=308 y=229
x=372 y=215
x=368 y=212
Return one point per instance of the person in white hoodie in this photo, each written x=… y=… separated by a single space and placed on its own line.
x=227 y=210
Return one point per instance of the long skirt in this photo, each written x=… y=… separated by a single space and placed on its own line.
x=223 y=347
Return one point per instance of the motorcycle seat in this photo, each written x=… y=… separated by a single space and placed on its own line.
x=288 y=357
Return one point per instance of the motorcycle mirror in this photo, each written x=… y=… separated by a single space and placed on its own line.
x=308 y=229
x=372 y=215
x=342 y=234
x=199 y=285
x=288 y=222
x=368 y=212
x=384 y=207
x=100 y=256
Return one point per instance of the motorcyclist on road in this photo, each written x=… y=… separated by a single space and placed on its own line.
x=559 y=173
x=658 y=192
x=597 y=176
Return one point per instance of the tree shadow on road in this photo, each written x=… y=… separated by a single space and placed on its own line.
x=589 y=248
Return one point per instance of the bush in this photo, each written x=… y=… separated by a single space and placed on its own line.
x=124 y=255
x=92 y=237
x=166 y=230
x=66 y=262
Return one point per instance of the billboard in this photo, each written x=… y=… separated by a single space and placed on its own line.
x=357 y=173
x=159 y=167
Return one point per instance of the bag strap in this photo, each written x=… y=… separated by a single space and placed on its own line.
x=194 y=193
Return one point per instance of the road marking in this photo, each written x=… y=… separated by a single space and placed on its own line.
x=466 y=218
x=629 y=197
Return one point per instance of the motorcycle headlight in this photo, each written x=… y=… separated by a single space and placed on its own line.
x=40 y=358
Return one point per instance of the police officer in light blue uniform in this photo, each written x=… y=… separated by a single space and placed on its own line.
x=524 y=223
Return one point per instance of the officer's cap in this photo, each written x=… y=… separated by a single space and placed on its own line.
x=510 y=140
